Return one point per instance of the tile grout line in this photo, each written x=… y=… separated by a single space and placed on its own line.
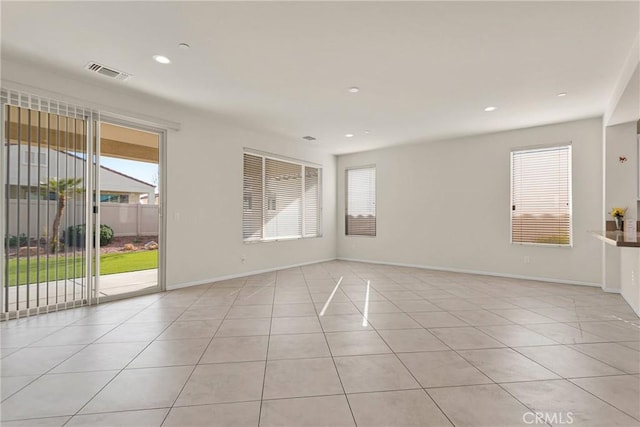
x=411 y=373
x=48 y=372
x=266 y=355
x=237 y=294
x=66 y=359
x=601 y=399
x=127 y=364
x=567 y=346
x=382 y=294
x=491 y=379
x=333 y=360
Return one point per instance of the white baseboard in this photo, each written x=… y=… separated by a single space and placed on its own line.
x=480 y=272
x=244 y=274
x=425 y=267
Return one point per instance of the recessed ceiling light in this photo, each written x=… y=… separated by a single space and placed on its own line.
x=561 y=94
x=367 y=132
x=184 y=46
x=162 y=59
x=490 y=109
x=354 y=89
x=348 y=135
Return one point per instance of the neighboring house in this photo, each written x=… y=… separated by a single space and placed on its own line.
x=30 y=167
x=144 y=199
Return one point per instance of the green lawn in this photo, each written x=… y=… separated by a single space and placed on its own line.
x=109 y=264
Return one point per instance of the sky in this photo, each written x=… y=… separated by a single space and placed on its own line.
x=147 y=172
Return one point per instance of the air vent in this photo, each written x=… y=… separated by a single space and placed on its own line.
x=309 y=138
x=107 y=71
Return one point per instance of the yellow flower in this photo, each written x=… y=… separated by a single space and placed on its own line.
x=618 y=212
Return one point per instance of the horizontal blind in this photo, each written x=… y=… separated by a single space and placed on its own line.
x=541 y=196
x=361 y=202
x=283 y=204
x=281 y=199
x=311 y=201
x=252 y=203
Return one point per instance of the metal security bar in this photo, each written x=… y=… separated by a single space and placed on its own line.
x=47 y=158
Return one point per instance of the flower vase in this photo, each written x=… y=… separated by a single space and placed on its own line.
x=619 y=221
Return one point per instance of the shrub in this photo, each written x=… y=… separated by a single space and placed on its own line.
x=106 y=234
x=75 y=235
x=15 y=241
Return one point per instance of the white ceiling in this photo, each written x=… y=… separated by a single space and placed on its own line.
x=426 y=69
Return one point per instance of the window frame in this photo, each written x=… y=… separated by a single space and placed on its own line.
x=114 y=198
x=537 y=148
x=303 y=164
x=29 y=157
x=346 y=199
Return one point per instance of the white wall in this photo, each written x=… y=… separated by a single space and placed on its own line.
x=621 y=190
x=630 y=282
x=621 y=178
x=447 y=205
x=443 y=204
x=205 y=203
x=204 y=185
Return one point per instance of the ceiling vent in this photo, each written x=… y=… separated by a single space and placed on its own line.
x=107 y=71
x=309 y=138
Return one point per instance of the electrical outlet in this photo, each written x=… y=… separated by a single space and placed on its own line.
x=243 y=258
x=527 y=259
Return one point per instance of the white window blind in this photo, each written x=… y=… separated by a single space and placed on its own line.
x=281 y=199
x=541 y=196
x=252 y=201
x=312 y=179
x=360 y=218
x=283 y=182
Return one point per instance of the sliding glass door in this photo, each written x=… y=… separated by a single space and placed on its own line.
x=80 y=207
x=129 y=210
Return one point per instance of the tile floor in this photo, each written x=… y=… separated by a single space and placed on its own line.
x=390 y=347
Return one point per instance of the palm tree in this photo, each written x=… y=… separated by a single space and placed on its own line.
x=63 y=189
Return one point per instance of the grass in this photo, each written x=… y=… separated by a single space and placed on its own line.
x=61 y=268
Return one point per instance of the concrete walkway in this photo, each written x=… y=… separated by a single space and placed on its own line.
x=115 y=284
x=76 y=289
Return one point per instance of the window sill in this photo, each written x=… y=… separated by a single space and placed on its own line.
x=543 y=245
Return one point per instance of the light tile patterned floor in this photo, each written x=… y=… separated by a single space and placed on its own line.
x=415 y=347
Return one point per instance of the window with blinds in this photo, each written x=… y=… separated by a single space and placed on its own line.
x=360 y=218
x=541 y=196
x=281 y=199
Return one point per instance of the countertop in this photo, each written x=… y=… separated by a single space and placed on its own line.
x=619 y=238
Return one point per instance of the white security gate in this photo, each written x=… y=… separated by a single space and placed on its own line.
x=47 y=174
